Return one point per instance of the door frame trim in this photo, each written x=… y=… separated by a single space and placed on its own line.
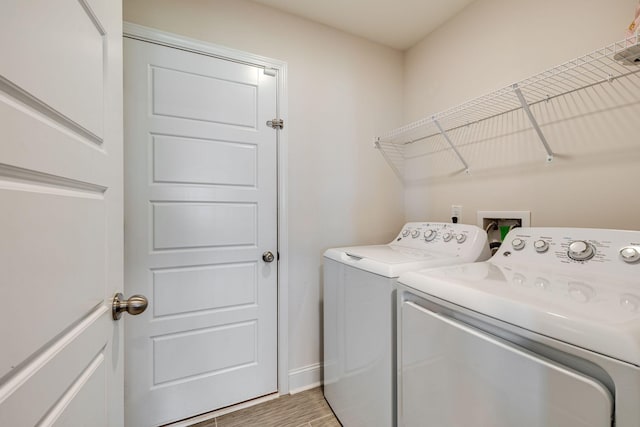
x=152 y=35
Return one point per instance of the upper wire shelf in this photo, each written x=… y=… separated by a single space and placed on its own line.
x=606 y=64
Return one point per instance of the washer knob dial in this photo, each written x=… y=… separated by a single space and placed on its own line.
x=519 y=279
x=405 y=233
x=541 y=246
x=460 y=238
x=518 y=244
x=580 y=250
x=429 y=235
x=415 y=233
x=447 y=236
x=542 y=283
x=630 y=254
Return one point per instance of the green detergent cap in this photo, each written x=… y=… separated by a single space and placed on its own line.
x=504 y=230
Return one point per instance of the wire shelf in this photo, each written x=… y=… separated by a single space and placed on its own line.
x=604 y=65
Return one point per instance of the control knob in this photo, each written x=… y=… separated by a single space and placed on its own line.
x=519 y=279
x=429 y=235
x=415 y=233
x=542 y=283
x=460 y=238
x=581 y=292
x=518 y=244
x=580 y=250
x=541 y=246
x=630 y=254
x=447 y=236
x=630 y=302
x=405 y=233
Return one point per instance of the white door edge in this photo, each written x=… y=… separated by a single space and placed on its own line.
x=152 y=35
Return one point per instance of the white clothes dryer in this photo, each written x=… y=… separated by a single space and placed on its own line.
x=360 y=312
x=544 y=334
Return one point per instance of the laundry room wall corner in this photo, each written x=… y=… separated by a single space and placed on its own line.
x=494 y=43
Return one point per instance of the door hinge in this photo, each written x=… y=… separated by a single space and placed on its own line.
x=276 y=123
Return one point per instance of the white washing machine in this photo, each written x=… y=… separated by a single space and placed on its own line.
x=545 y=334
x=360 y=313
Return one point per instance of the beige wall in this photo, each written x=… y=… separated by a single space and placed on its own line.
x=343 y=90
x=492 y=44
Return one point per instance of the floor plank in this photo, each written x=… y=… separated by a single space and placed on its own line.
x=305 y=409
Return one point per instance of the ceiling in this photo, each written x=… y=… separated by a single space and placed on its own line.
x=396 y=23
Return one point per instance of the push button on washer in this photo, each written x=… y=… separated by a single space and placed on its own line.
x=630 y=254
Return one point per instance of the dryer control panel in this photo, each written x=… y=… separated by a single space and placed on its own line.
x=580 y=249
x=461 y=240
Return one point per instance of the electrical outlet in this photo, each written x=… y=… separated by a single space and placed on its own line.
x=456 y=210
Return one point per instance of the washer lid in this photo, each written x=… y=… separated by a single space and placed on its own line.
x=387 y=260
x=597 y=313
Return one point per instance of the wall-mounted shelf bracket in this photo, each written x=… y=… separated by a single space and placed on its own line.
x=534 y=122
x=393 y=154
x=453 y=147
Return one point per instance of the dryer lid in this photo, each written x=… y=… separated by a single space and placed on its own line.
x=597 y=313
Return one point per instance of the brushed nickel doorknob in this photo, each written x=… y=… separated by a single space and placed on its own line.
x=134 y=305
x=268 y=256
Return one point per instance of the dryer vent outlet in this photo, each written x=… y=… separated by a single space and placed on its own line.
x=498 y=223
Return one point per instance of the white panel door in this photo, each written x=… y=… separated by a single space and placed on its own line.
x=61 y=212
x=200 y=196
x=456 y=376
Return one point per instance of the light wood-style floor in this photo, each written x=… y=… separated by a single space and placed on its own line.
x=305 y=409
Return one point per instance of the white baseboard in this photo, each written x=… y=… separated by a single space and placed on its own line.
x=305 y=378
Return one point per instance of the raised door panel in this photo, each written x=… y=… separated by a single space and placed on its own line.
x=53 y=250
x=53 y=378
x=201 y=352
x=184 y=95
x=82 y=408
x=56 y=59
x=194 y=289
x=195 y=225
x=203 y=161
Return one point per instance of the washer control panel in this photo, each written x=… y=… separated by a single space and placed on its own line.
x=443 y=237
x=589 y=249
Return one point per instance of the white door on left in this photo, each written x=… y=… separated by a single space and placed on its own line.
x=61 y=212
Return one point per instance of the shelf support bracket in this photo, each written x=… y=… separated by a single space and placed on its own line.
x=453 y=147
x=394 y=166
x=534 y=122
